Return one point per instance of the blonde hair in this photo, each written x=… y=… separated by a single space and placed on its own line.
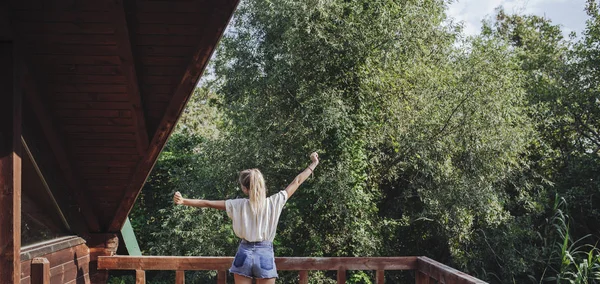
x=253 y=180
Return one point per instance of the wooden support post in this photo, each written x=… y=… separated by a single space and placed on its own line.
x=380 y=277
x=422 y=278
x=179 y=277
x=40 y=271
x=303 y=274
x=341 y=276
x=221 y=277
x=10 y=168
x=140 y=276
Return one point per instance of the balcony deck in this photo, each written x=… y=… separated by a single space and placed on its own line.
x=427 y=271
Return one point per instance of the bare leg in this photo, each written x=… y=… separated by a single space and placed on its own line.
x=239 y=279
x=265 y=281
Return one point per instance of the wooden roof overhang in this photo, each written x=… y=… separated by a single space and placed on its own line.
x=105 y=82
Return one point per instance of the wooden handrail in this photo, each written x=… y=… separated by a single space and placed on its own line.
x=426 y=268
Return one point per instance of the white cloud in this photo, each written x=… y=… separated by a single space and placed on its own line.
x=568 y=13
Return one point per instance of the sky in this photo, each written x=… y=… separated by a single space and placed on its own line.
x=569 y=14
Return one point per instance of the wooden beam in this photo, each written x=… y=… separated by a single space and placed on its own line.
x=10 y=166
x=221 y=277
x=140 y=277
x=341 y=276
x=56 y=144
x=125 y=53
x=179 y=277
x=283 y=263
x=40 y=271
x=182 y=94
x=380 y=277
x=303 y=277
x=443 y=273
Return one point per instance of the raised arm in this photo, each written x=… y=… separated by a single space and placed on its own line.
x=216 y=204
x=292 y=187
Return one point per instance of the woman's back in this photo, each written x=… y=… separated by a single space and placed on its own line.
x=254 y=227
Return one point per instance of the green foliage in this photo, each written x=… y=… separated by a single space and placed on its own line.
x=431 y=143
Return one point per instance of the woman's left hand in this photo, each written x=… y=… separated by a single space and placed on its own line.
x=177 y=198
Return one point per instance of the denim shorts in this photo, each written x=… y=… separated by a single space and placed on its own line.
x=254 y=260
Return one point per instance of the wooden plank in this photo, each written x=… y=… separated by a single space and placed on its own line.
x=166 y=40
x=87 y=88
x=140 y=277
x=77 y=39
x=206 y=47
x=84 y=69
x=85 y=79
x=58 y=257
x=444 y=273
x=56 y=144
x=97 y=121
x=107 y=157
x=103 y=150
x=158 y=29
x=282 y=263
x=177 y=61
x=10 y=165
x=303 y=276
x=97 y=129
x=51 y=6
x=422 y=278
x=160 y=80
x=60 y=16
x=221 y=277
x=167 y=51
x=179 y=277
x=89 y=97
x=70 y=270
x=341 y=276
x=174 y=7
x=66 y=28
x=124 y=50
x=40 y=271
x=163 y=70
x=92 y=105
x=62 y=59
x=73 y=49
x=165 y=18
x=101 y=143
x=380 y=277
x=80 y=113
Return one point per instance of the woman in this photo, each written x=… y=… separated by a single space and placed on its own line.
x=255 y=222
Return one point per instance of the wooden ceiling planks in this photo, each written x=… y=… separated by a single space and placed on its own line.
x=116 y=75
x=207 y=41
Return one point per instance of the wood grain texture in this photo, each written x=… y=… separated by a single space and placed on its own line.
x=443 y=273
x=40 y=271
x=128 y=65
x=283 y=263
x=140 y=277
x=218 y=20
x=179 y=277
x=57 y=145
x=10 y=166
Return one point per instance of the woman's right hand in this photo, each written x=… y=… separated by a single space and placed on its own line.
x=314 y=157
x=177 y=198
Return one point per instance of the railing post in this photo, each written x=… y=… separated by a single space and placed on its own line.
x=341 y=275
x=221 y=277
x=40 y=271
x=303 y=275
x=179 y=277
x=380 y=277
x=140 y=276
x=422 y=278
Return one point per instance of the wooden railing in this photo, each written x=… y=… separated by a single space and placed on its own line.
x=427 y=271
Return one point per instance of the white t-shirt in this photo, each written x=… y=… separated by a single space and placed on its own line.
x=256 y=228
